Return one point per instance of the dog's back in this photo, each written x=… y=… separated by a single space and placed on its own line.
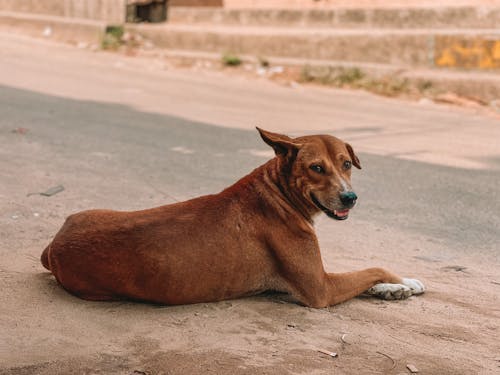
x=185 y=252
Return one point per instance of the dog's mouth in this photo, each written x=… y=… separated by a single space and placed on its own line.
x=334 y=214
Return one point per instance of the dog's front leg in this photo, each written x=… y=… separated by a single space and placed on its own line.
x=374 y=281
x=304 y=277
x=339 y=287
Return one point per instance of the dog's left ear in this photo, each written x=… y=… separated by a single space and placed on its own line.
x=283 y=145
x=355 y=160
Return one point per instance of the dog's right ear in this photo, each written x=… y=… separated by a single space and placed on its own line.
x=282 y=144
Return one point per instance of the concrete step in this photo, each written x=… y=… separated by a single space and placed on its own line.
x=68 y=30
x=112 y=11
x=328 y=4
x=481 y=86
x=464 y=48
x=436 y=17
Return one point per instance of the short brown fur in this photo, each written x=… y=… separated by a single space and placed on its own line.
x=254 y=236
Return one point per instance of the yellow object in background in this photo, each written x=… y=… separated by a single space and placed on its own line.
x=461 y=52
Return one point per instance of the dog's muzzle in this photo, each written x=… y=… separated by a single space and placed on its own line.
x=337 y=214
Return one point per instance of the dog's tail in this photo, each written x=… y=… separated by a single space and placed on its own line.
x=45 y=257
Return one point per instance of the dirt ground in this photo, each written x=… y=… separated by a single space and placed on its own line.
x=451 y=329
x=47 y=139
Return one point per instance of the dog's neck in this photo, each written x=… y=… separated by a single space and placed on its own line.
x=282 y=178
x=274 y=176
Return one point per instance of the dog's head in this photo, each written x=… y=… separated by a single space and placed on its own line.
x=318 y=168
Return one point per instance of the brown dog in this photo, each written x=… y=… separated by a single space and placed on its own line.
x=254 y=236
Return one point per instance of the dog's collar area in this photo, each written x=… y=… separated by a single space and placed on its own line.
x=337 y=215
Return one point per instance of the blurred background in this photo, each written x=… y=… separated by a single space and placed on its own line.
x=420 y=48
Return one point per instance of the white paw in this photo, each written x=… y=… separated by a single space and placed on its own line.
x=416 y=286
x=390 y=291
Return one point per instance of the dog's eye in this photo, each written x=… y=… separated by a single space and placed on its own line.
x=317 y=168
x=347 y=165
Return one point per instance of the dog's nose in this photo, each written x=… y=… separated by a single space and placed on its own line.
x=348 y=198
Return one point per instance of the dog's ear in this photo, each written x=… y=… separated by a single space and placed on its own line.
x=282 y=144
x=355 y=160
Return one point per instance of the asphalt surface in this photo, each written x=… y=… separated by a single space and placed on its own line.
x=183 y=158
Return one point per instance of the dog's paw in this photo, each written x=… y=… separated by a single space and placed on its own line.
x=387 y=291
x=390 y=291
x=416 y=286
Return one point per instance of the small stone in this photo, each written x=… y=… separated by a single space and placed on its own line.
x=425 y=101
x=47 y=31
x=20 y=131
x=412 y=368
x=261 y=71
x=327 y=352
x=454 y=268
x=276 y=69
x=127 y=37
x=52 y=191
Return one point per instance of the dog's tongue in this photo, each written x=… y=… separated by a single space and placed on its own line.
x=341 y=213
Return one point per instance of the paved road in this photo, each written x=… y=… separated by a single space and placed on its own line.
x=139 y=118
x=127 y=134
x=183 y=158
